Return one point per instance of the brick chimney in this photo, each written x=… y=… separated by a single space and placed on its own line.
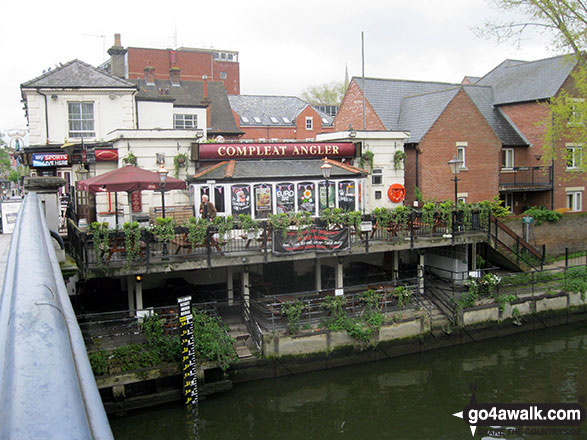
x=149 y=73
x=174 y=76
x=117 y=53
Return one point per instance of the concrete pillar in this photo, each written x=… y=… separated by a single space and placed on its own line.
x=246 y=292
x=338 y=269
x=229 y=286
x=395 y=265
x=139 y=295
x=421 y=273
x=318 y=267
x=130 y=289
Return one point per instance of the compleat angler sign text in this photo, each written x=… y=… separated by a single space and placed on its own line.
x=275 y=151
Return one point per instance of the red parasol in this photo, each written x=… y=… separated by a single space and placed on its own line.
x=128 y=178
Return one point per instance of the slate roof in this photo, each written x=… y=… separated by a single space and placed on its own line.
x=266 y=107
x=275 y=169
x=191 y=94
x=77 y=74
x=418 y=113
x=385 y=95
x=522 y=81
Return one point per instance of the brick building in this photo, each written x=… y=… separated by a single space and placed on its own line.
x=278 y=118
x=194 y=64
x=491 y=123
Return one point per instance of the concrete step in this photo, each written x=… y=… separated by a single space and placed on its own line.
x=243 y=352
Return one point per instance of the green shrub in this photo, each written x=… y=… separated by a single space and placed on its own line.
x=541 y=214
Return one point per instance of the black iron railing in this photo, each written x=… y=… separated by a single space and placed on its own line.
x=525 y=179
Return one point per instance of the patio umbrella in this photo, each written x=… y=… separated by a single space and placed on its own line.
x=128 y=178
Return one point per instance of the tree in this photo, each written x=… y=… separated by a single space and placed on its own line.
x=567 y=21
x=325 y=94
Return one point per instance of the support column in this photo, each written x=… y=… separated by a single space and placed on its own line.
x=139 y=295
x=130 y=289
x=246 y=292
x=395 y=255
x=338 y=269
x=229 y=286
x=473 y=256
x=421 y=273
x=318 y=267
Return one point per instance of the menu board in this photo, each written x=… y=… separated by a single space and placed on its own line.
x=307 y=197
x=285 y=196
x=263 y=205
x=240 y=199
x=347 y=195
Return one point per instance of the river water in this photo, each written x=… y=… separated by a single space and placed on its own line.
x=410 y=397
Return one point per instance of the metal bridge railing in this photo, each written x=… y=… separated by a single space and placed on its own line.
x=47 y=386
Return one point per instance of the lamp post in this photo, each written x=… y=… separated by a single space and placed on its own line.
x=455 y=167
x=162 y=179
x=326 y=169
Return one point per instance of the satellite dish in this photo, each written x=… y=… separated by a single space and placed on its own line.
x=219 y=138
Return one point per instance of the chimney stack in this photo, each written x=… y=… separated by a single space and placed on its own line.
x=207 y=101
x=117 y=53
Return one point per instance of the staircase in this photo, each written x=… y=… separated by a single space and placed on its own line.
x=508 y=249
x=242 y=338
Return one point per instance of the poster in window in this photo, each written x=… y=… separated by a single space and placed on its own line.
x=323 y=192
x=136 y=201
x=347 y=195
x=285 y=196
x=240 y=197
x=262 y=200
x=219 y=198
x=307 y=197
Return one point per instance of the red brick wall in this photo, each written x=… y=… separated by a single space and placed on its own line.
x=526 y=116
x=192 y=66
x=460 y=122
x=350 y=111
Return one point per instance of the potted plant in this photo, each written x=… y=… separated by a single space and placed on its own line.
x=179 y=161
x=197 y=230
x=132 y=240
x=368 y=157
x=247 y=224
x=130 y=159
x=164 y=229
x=398 y=159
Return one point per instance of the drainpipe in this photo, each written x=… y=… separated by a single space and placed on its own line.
x=46 y=115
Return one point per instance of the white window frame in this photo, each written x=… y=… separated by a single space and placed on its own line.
x=508 y=202
x=462 y=154
x=82 y=132
x=575 y=200
x=576 y=118
x=509 y=154
x=574 y=156
x=377 y=173
x=223 y=75
x=309 y=123
x=180 y=121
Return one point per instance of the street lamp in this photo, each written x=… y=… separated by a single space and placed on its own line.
x=455 y=167
x=162 y=179
x=326 y=170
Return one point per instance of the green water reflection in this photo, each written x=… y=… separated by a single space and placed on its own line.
x=410 y=397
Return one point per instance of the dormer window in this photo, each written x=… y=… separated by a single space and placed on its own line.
x=274 y=120
x=257 y=119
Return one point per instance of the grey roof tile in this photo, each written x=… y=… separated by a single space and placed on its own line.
x=385 y=95
x=266 y=107
x=277 y=169
x=191 y=94
x=521 y=81
x=77 y=74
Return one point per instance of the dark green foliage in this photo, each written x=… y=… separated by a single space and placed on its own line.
x=541 y=214
x=293 y=312
x=212 y=341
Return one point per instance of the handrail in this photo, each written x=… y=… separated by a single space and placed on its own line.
x=519 y=240
x=46 y=380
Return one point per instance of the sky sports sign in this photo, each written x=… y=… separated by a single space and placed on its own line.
x=523 y=418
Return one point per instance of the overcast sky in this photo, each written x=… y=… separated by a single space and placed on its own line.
x=283 y=46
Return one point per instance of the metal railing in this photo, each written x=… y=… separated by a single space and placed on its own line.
x=180 y=247
x=46 y=380
x=268 y=310
x=526 y=178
